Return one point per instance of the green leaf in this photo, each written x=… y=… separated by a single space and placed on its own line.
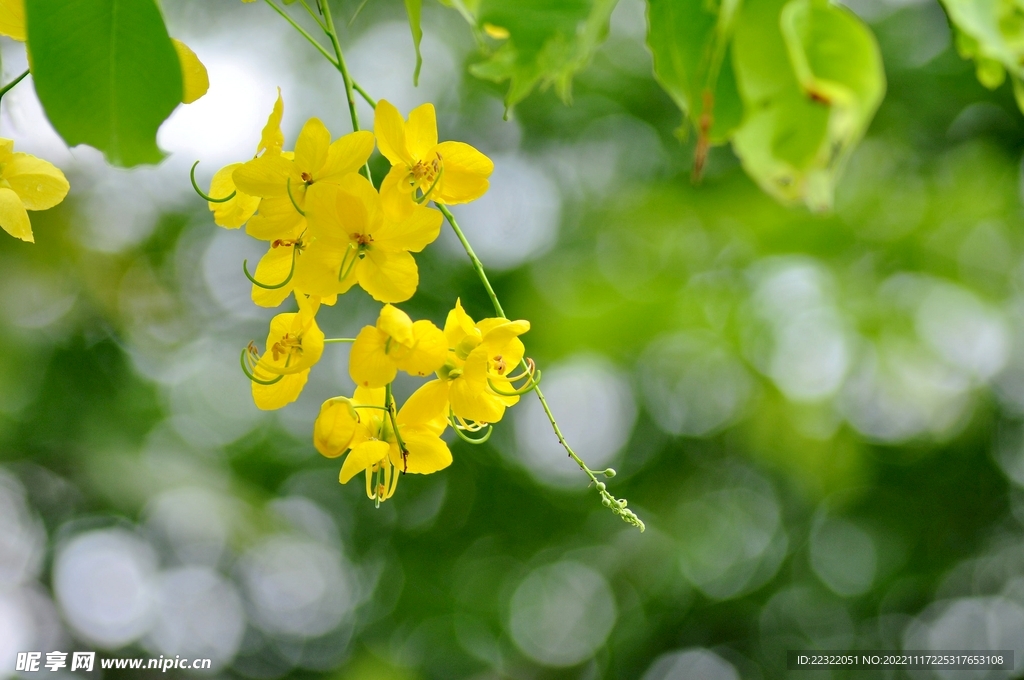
x=810 y=76
x=106 y=73
x=414 y=9
x=548 y=42
x=690 y=45
x=991 y=32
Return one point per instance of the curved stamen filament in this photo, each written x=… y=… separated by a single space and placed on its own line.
x=288 y=185
x=528 y=370
x=534 y=380
x=266 y=286
x=246 y=357
x=459 y=430
x=462 y=424
x=192 y=176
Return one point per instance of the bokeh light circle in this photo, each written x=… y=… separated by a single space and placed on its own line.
x=104 y=581
x=562 y=613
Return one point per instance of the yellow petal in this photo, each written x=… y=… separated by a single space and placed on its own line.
x=336 y=212
x=334 y=427
x=421 y=131
x=388 y=275
x=194 y=78
x=311 y=148
x=389 y=128
x=39 y=184
x=324 y=218
x=12 y=19
x=500 y=335
x=470 y=402
x=465 y=173
x=346 y=155
x=233 y=213
x=427 y=452
x=397 y=203
x=309 y=305
x=13 y=217
x=369 y=396
x=394 y=322
x=276 y=218
x=272 y=137
x=362 y=457
x=428 y=353
x=368 y=363
x=273 y=268
x=358 y=197
x=512 y=353
x=317 y=269
x=283 y=392
x=459 y=325
x=428 y=406
x=418 y=228
x=267 y=176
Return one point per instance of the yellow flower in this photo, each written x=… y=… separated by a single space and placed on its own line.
x=421 y=169
x=12 y=19
x=238 y=210
x=352 y=240
x=373 y=446
x=26 y=183
x=275 y=271
x=483 y=357
x=396 y=343
x=294 y=344
x=283 y=180
x=195 y=80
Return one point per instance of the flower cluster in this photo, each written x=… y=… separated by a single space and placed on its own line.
x=328 y=230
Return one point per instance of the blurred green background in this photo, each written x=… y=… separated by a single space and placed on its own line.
x=820 y=418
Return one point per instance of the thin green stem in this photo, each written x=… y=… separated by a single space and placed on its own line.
x=561 y=437
x=6 y=88
x=617 y=506
x=339 y=63
x=477 y=264
x=364 y=94
x=305 y=34
x=339 y=339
